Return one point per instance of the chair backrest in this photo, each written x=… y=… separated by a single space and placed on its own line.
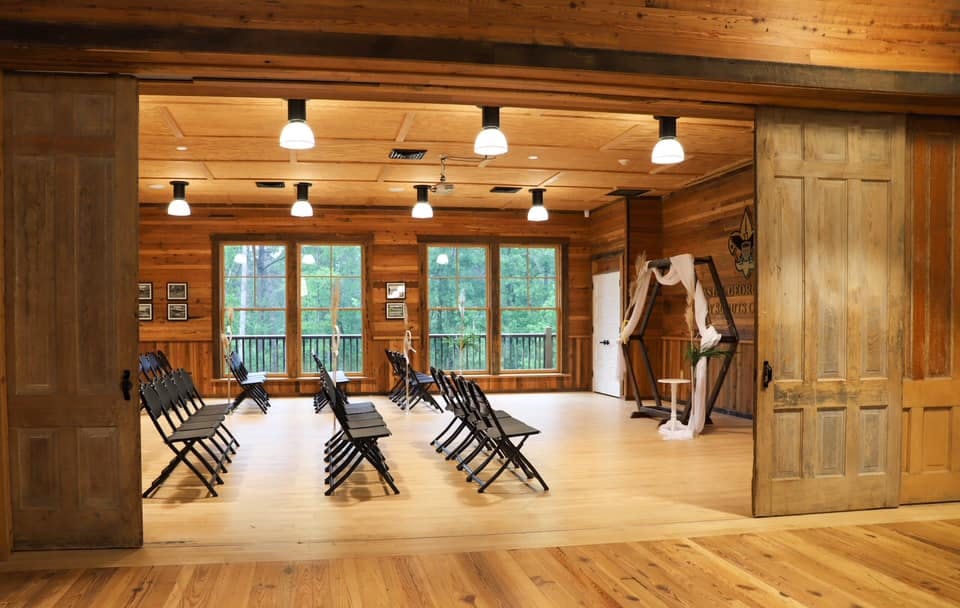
x=447 y=391
x=163 y=362
x=235 y=363
x=483 y=408
x=151 y=401
x=335 y=400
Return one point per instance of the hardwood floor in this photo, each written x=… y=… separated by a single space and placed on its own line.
x=904 y=564
x=611 y=480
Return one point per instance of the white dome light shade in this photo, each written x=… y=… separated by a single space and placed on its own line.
x=537 y=212
x=302 y=208
x=443 y=259
x=668 y=150
x=308 y=259
x=179 y=206
x=297 y=134
x=422 y=210
x=490 y=140
x=240 y=258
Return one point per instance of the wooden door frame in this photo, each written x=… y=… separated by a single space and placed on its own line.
x=6 y=521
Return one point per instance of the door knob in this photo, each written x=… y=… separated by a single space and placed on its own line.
x=605 y=342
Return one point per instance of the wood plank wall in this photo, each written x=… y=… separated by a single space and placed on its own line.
x=883 y=34
x=182 y=250
x=700 y=220
x=931 y=392
x=644 y=236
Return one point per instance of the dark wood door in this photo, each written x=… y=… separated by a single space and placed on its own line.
x=70 y=213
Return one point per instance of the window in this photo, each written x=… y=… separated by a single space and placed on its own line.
x=280 y=311
x=324 y=271
x=255 y=304
x=458 y=310
x=529 y=308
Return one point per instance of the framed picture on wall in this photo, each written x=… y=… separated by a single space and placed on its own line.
x=176 y=291
x=145 y=311
x=396 y=310
x=396 y=291
x=145 y=291
x=177 y=312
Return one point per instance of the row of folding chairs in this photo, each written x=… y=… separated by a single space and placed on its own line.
x=357 y=439
x=154 y=365
x=410 y=387
x=192 y=429
x=251 y=383
x=479 y=431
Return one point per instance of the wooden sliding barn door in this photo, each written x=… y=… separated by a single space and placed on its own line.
x=830 y=292
x=70 y=215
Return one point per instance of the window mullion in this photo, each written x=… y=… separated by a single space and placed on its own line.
x=493 y=306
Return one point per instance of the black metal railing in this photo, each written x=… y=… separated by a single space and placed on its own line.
x=262 y=353
x=445 y=352
x=529 y=351
x=351 y=352
x=269 y=353
x=519 y=351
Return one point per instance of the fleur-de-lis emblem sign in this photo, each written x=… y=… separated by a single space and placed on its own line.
x=740 y=245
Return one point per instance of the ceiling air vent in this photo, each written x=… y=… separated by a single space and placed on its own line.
x=505 y=189
x=628 y=192
x=403 y=154
x=270 y=184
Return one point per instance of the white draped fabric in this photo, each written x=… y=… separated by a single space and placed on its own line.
x=681 y=271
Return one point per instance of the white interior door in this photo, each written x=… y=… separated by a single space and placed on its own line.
x=606 y=330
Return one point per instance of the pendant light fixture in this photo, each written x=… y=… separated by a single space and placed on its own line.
x=537 y=213
x=443 y=259
x=296 y=134
x=302 y=208
x=178 y=205
x=668 y=150
x=422 y=210
x=490 y=140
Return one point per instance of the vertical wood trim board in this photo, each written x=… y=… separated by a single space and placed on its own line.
x=931 y=394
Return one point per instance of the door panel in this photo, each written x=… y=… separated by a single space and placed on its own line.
x=830 y=290
x=931 y=392
x=606 y=324
x=71 y=263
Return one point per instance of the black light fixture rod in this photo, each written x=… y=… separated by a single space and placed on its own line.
x=668 y=126
x=537 y=195
x=179 y=189
x=491 y=117
x=302 y=191
x=423 y=193
x=296 y=109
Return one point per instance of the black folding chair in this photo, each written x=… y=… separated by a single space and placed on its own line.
x=356 y=441
x=501 y=435
x=251 y=385
x=320 y=398
x=184 y=437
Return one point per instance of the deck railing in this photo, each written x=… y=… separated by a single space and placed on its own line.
x=268 y=353
x=519 y=351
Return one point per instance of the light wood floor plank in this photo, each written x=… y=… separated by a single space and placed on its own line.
x=867 y=566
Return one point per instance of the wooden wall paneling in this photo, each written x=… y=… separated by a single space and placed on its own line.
x=70 y=238
x=828 y=434
x=644 y=237
x=832 y=33
x=701 y=220
x=6 y=521
x=393 y=255
x=931 y=392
